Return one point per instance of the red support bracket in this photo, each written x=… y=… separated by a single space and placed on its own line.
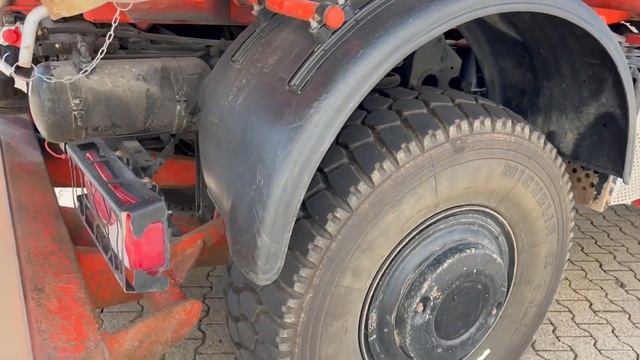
x=333 y=16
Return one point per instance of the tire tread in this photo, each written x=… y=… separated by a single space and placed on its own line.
x=391 y=128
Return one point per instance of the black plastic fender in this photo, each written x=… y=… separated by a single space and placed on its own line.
x=278 y=98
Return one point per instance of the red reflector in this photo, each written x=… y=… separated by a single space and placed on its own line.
x=122 y=194
x=147 y=252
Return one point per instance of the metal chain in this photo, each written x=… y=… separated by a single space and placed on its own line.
x=101 y=53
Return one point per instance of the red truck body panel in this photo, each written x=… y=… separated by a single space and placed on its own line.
x=203 y=12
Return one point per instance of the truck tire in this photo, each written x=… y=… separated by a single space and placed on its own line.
x=437 y=227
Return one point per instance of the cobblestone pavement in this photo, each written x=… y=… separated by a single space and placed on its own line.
x=596 y=314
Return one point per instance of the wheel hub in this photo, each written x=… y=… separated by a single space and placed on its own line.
x=442 y=290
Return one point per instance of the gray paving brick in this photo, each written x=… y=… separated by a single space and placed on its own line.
x=567 y=293
x=198 y=277
x=632 y=341
x=614 y=290
x=531 y=354
x=185 y=350
x=217 y=341
x=582 y=313
x=620 y=355
x=557 y=355
x=215 y=357
x=628 y=279
x=608 y=263
x=584 y=348
x=546 y=339
x=578 y=280
x=622 y=326
x=217 y=311
x=593 y=271
x=589 y=246
x=605 y=339
x=564 y=324
x=622 y=255
x=598 y=300
x=632 y=307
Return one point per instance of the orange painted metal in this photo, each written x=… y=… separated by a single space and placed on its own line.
x=61 y=319
x=333 y=15
x=176 y=172
x=155 y=334
x=632 y=6
x=613 y=16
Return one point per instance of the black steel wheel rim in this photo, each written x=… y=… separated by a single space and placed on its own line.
x=442 y=289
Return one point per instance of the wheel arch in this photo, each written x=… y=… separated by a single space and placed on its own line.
x=264 y=126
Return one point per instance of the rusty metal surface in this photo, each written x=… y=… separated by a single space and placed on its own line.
x=60 y=318
x=14 y=334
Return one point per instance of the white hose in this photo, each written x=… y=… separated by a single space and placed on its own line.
x=29 y=33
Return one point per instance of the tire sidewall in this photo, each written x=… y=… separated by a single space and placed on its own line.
x=512 y=176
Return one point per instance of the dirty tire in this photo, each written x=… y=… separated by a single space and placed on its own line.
x=403 y=157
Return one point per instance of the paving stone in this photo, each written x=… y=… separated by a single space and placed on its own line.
x=634 y=342
x=555 y=307
x=593 y=271
x=589 y=246
x=530 y=354
x=620 y=355
x=217 y=289
x=582 y=313
x=622 y=255
x=628 y=279
x=599 y=300
x=567 y=293
x=632 y=307
x=546 y=340
x=217 y=342
x=557 y=355
x=184 y=350
x=635 y=267
x=578 y=280
x=572 y=266
x=584 y=348
x=608 y=263
x=614 y=290
x=196 y=292
x=564 y=325
x=622 y=326
x=217 y=312
x=586 y=226
x=196 y=333
x=603 y=239
x=614 y=232
x=198 y=277
x=605 y=339
x=215 y=357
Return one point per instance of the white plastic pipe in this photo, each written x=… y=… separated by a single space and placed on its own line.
x=29 y=33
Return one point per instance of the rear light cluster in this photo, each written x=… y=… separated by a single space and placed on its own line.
x=127 y=219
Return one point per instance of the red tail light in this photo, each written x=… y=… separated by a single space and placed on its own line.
x=126 y=218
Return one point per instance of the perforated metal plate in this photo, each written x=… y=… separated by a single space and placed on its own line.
x=626 y=194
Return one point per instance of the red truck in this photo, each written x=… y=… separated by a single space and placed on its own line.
x=386 y=179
